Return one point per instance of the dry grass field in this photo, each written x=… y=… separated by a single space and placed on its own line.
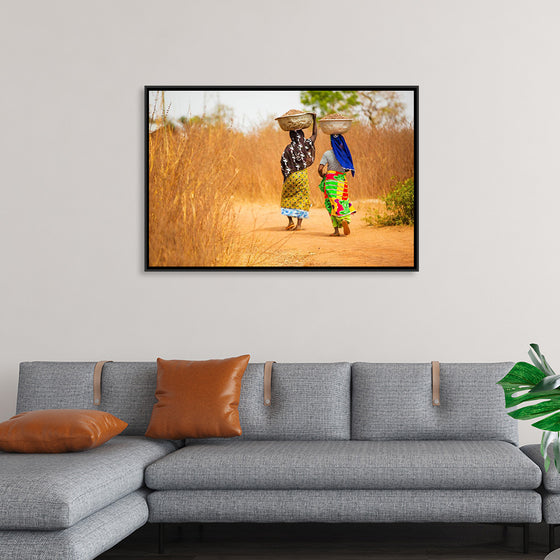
x=201 y=177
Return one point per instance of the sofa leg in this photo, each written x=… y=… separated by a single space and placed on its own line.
x=551 y=528
x=525 y=538
x=161 y=538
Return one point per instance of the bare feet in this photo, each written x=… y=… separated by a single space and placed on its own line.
x=336 y=233
x=346 y=228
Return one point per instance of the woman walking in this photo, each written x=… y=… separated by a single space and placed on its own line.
x=298 y=155
x=334 y=165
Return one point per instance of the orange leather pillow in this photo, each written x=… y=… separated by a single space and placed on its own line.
x=58 y=431
x=197 y=399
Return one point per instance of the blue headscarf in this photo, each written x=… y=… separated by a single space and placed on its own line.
x=342 y=152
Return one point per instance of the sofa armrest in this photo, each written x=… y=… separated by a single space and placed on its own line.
x=551 y=479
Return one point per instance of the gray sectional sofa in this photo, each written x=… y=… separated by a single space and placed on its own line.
x=340 y=442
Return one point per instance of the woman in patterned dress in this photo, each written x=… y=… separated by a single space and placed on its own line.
x=334 y=165
x=298 y=155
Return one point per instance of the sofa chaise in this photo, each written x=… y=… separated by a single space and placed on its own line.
x=338 y=442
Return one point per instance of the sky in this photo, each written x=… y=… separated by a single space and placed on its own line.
x=250 y=107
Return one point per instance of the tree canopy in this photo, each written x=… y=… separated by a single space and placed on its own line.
x=377 y=108
x=325 y=102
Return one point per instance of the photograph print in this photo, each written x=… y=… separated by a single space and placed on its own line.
x=281 y=178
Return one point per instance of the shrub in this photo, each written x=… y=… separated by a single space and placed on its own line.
x=399 y=204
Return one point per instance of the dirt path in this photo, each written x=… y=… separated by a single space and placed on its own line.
x=313 y=246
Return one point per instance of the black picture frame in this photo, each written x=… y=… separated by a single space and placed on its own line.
x=414 y=90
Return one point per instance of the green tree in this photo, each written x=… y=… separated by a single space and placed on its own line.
x=325 y=102
x=376 y=108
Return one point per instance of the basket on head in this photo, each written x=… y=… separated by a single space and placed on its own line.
x=295 y=120
x=335 y=123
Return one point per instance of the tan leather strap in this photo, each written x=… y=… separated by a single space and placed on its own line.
x=268 y=383
x=97 y=371
x=435 y=384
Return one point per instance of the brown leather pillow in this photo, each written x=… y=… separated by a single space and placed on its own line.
x=58 y=431
x=197 y=399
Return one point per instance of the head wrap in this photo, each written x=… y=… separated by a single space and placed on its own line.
x=298 y=155
x=342 y=152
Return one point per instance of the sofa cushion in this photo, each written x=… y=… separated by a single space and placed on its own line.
x=127 y=389
x=551 y=508
x=54 y=491
x=309 y=402
x=85 y=540
x=45 y=385
x=550 y=478
x=58 y=430
x=197 y=399
x=225 y=465
x=394 y=401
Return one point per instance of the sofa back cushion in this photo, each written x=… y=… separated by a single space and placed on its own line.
x=309 y=402
x=127 y=389
x=394 y=402
x=44 y=385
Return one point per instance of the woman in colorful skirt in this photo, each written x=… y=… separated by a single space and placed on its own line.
x=334 y=165
x=298 y=155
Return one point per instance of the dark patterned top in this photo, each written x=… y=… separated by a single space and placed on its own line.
x=298 y=155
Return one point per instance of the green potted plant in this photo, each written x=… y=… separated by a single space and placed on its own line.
x=526 y=383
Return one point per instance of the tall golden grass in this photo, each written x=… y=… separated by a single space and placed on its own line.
x=191 y=215
x=198 y=173
x=381 y=158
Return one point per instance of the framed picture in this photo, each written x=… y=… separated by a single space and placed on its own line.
x=281 y=178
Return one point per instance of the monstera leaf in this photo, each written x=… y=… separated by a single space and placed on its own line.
x=526 y=383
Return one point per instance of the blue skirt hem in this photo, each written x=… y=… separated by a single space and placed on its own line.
x=294 y=213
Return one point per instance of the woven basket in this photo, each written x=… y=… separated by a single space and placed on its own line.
x=335 y=126
x=295 y=122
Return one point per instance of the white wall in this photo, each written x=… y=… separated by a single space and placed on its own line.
x=71 y=213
